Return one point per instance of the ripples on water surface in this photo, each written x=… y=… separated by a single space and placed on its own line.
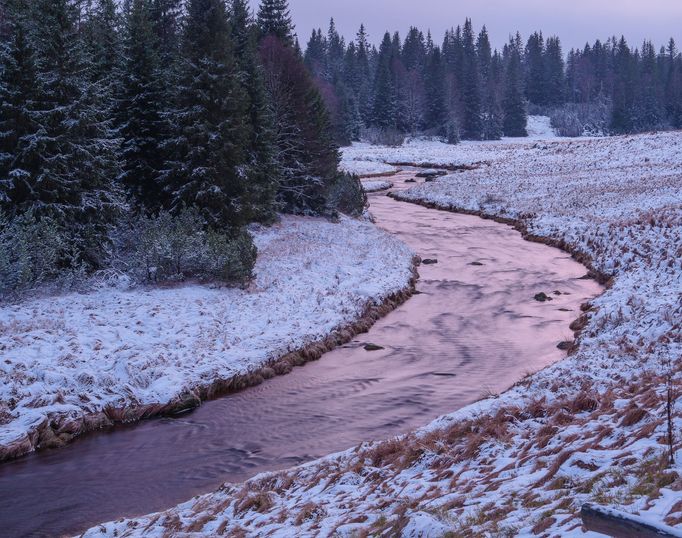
x=473 y=330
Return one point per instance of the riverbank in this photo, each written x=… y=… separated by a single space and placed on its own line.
x=80 y=362
x=590 y=428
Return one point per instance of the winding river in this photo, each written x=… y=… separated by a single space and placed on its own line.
x=473 y=329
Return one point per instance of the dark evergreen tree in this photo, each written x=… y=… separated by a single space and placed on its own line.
x=535 y=72
x=385 y=100
x=260 y=164
x=19 y=122
x=335 y=52
x=624 y=88
x=210 y=121
x=470 y=86
x=363 y=79
x=554 y=76
x=141 y=110
x=514 y=103
x=453 y=60
x=649 y=106
x=274 y=19
x=306 y=157
x=413 y=58
x=74 y=148
x=672 y=83
x=102 y=35
x=436 y=117
x=166 y=16
x=352 y=119
x=491 y=70
x=315 y=56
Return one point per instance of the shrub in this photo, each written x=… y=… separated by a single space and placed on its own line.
x=581 y=119
x=165 y=248
x=452 y=132
x=31 y=251
x=383 y=136
x=231 y=259
x=346 y=195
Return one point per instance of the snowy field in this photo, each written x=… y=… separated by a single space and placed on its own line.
x=376 y=185
x=589 y=429
x=65 y=359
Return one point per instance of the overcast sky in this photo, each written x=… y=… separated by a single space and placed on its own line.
x=575 y=21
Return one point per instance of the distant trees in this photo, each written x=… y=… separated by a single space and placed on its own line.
x=465 y=89
x=513 y=103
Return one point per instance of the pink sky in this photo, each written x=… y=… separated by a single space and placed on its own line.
x=575 y=21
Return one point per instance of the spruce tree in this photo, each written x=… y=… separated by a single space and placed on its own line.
x=471 y=92
x=649 y=108
x=436 y=109
x=623 y=110
x=363 y=78
x=74 y=148
x=352 y=118
x=306 y=156
x=274 y=19
x=260 y=163
x=166 y=17
x=514 y=103
x=211 y=136
x=413 y=58
x=385 y=100
x=141 y=110
x=535 y=72
x=555 y=77
x=673 y=84
x=315 y=57
x=335 y=51
x=490 y=68
x=103 y=40
x=18 y=115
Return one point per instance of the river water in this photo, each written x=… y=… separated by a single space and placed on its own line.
x=473 y=329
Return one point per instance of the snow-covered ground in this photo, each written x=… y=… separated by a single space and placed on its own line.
x=540 y=128
x=368 y=168
x=590 y=428
x=376 y=185
x=71 y=356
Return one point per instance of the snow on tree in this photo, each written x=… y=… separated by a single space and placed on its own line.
x=72 y=152
x=209 y=122
x=141 y=109
x=274 y=19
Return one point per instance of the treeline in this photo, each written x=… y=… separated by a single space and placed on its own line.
x=463 y=89
x=145 y=135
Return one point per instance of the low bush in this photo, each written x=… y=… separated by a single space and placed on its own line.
x=383 y=136
x=581 y=119
x=32 y=252
x=169 y=247
x=452 y=132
